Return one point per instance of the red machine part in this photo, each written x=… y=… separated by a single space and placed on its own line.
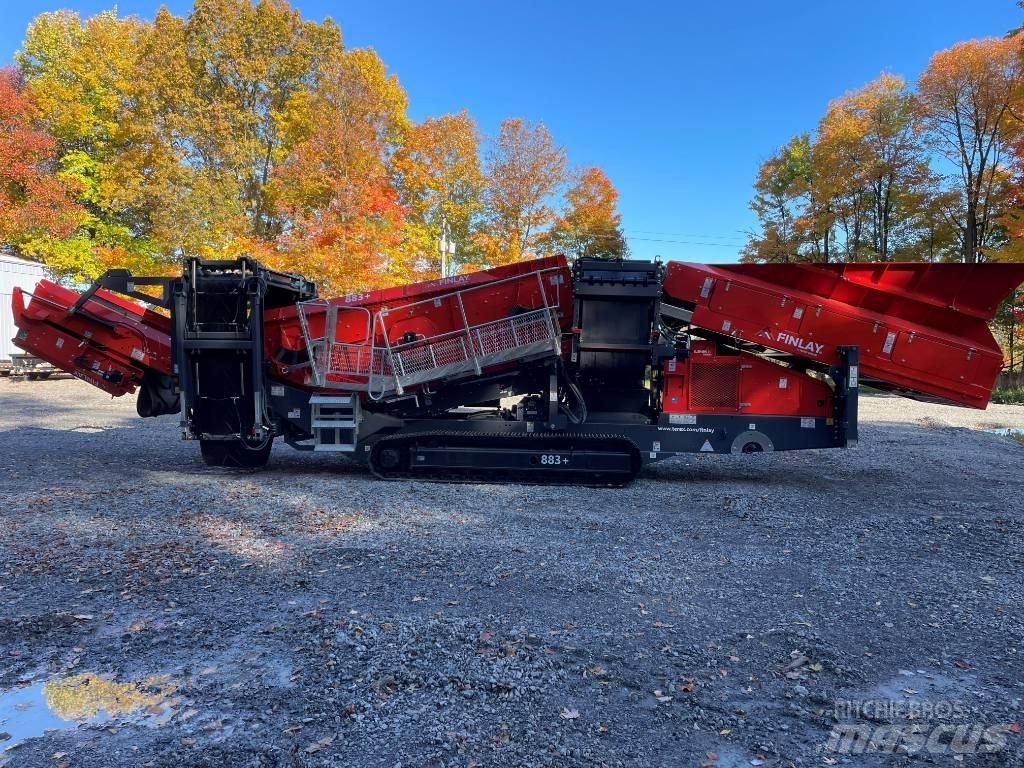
x=424 y=310
x=921 y=328
x=110 y=342
x=710 y=382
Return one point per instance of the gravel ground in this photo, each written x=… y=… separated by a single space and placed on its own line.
x=713 y=613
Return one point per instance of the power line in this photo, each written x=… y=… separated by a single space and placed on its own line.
x=632 y=238
x=738 y=241
x=687 y=234
x=735 y=246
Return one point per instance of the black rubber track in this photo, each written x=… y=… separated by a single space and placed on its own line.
x=534 y=476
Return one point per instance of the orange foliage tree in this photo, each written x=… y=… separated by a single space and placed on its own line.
x=343 y=221
x=525 y=170
x=966 y=94
x=241 y=127
x=440 y=176
x=590 y=226
x=34 y=200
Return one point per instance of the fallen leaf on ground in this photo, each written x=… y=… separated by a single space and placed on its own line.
x=569 y=714
x=316 y=746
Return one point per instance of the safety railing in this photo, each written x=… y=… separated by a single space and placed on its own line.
x=474 y=348
x=385 y=368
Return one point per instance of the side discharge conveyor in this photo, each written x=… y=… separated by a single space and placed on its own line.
x=533 y=372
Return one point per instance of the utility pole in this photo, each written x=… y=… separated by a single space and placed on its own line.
x=446 y=246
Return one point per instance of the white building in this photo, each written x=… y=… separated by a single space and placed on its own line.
x=23 y=274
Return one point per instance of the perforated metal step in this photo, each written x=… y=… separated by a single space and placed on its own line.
x=335 y=422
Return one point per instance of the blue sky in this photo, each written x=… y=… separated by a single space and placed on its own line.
x=678 y=102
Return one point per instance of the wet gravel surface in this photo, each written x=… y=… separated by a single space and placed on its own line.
x=713 y=613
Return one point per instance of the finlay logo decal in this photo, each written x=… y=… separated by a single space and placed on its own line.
x=795 y=341
x=789 y=339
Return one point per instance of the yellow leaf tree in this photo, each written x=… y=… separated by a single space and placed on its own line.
x=525 y=171
x=965 y=95
x=440 y=175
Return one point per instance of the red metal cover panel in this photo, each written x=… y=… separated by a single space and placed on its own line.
x=708 y=382
x=921 y=328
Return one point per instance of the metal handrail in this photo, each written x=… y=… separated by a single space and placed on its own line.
x=395 y=360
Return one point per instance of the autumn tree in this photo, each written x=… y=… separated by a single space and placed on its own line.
x=1009 y=329
x=82 y=78
x=871 y=163
x=241 y=127
x=839 y=180
x=860 y=189
x=525 y=170
x=931 y=234
x=37 y=208
x=441 y=180
x=780 y=196
x=335 y=193
x=590 y=226
x=173 y=127
x=249 y=68
x=965 y=94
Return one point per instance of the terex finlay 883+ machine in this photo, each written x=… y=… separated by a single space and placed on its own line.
x=614 y=363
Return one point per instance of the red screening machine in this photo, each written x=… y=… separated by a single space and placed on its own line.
x=536 y=371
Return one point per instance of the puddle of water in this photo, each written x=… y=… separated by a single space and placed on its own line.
x=919 y=684
x=730 y=756
x=1007 y=431
x=66 y=703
